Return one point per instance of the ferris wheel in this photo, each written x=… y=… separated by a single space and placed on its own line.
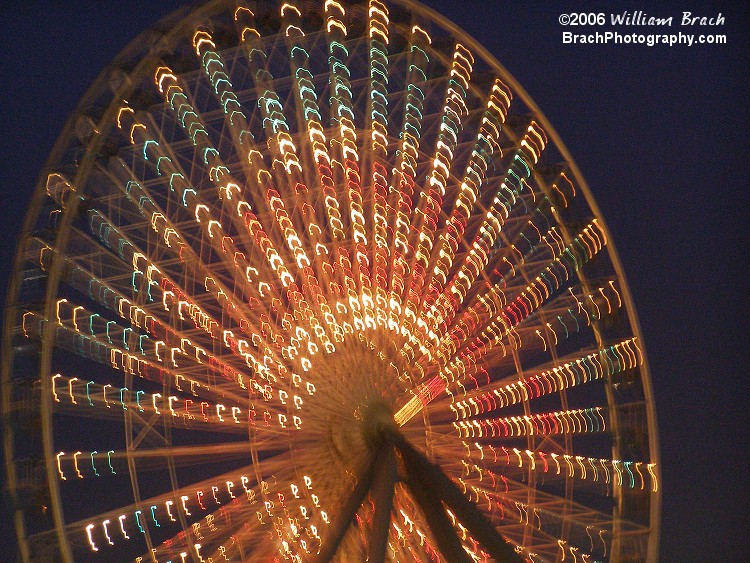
x=317 y=280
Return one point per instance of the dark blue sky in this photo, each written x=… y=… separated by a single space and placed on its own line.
x=660 y=134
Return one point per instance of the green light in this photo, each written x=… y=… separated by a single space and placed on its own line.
x=145 y=146
x=153 y=516
x=88 y=396
x=158 y=163
x=91 y=320
x=92 y=463
x=109 y=323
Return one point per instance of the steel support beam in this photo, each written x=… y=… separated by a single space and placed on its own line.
x=347 y=513
x=384 y=486
x=420 y=470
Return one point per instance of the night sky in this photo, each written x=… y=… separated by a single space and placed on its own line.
x=660 y=133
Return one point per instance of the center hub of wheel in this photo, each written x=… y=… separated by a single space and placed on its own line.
x=377 y=424
x=362 y=385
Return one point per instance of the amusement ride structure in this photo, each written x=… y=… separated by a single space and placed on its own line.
x=316 y=280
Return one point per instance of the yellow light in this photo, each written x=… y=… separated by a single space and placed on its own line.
x=90 y=538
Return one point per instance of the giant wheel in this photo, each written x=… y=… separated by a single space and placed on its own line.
x=319 y=280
